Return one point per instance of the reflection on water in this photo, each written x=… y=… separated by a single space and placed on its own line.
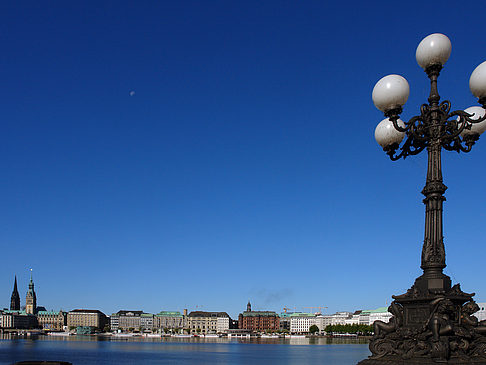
x=185 y=351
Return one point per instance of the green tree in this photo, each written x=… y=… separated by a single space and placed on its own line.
x=313 y=329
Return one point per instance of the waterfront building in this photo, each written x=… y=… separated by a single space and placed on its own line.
x=237 y=333
x=259 y=321
x=222 y=324
x=169 y=321
x=146 y=322
x=364 y=317
x=52 y=320
x=15 y=298
x=127 y=320
x=284 y=321
x=481 y=314
x=114 y=322
x=205 y=322
x=301 y=322
x=354 y=319
x=30 y=298
x=325 y=320
x=86 y=318
x=322 y=321
x=367 y=317
x=340 y=318
x=380 y=314
x=18 y=320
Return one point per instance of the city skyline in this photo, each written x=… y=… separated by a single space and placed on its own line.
x=19 y=307
x=164 y=155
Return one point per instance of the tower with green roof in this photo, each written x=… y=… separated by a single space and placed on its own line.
x=30 y=299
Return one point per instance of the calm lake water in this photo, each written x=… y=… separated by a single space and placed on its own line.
x=86 y=350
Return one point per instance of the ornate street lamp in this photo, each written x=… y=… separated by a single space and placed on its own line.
x=432 y=322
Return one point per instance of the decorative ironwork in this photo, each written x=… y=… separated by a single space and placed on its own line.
x=432 y=322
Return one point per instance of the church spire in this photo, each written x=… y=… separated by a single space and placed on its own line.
x=15 y=298
x=248 y=306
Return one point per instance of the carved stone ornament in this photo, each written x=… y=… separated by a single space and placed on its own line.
x=450 y=334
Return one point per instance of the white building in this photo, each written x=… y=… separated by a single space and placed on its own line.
x=147 y=321
x=481 y=314
x=354 y=319
x=323 y=322
x=301 y=322
x=380 y=314
x=364 y=317
x=340 y=317
x=222 y=324
x=326 y=320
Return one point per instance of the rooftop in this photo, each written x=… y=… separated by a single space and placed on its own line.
x=379 y=310
x=129 y=313
x=301 y=314
x=86 y=311
x=168 y=314
x=52 y=313
x=259 y=314
x=208 y=314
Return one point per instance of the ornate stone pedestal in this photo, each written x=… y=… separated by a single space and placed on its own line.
x=432 y=323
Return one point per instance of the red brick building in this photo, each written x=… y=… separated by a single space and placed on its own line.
x=258 y=321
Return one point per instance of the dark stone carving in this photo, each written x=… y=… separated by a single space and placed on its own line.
x=448 y=332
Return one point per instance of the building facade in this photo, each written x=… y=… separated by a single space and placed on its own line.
x=340 y=317
x=114 y=322
x=300 y=323
x=258 y=321
x=380 y=314
x=223 y=324
x=125 y=320
x=284 y=321
x=146 y=322
x=168 y=321
x=86 y=318
x=52 y=320
x=354 y=319
x=18 y=320
x=481 y=313
x=204 y=322
x=129 y=320
x=364 y=317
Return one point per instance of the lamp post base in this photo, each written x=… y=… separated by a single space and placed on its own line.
x=400 y=361
x=432 y=323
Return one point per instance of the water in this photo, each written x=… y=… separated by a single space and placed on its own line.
x=87 y=350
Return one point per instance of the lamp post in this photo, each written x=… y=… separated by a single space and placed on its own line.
x=432 y=322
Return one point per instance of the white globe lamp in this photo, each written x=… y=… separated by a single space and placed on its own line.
x=386 y=134
x=434 y=49
x=390 y=92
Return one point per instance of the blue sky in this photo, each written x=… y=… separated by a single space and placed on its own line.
x=165 y=155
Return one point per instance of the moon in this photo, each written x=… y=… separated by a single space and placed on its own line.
x=132 y=93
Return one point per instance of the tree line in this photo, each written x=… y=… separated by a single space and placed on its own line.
x=359 y=329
